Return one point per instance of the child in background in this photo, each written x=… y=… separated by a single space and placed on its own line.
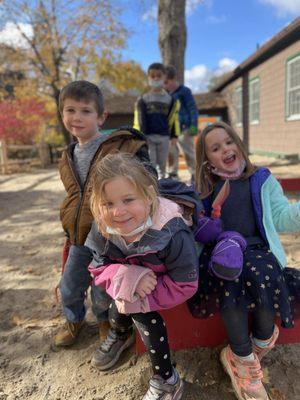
x=156 y=115
x=145 y=259
x=188 y=118
x=257 y=209
x=82 y=109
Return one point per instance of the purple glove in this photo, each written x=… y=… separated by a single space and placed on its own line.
x=208 y=229
x=227 y=257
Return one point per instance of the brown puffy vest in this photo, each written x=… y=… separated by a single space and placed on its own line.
x=75 y=213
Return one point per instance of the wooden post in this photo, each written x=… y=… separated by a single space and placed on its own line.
x=44 y=154
x=3 y=157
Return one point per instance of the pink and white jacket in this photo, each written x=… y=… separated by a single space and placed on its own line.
x=167 y=248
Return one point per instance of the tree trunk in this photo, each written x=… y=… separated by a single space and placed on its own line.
x=172 y=34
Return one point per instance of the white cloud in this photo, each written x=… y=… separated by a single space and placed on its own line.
x=225 y=65
x=150 y=14
x=11 y=35
x=190 y=7
x=214 y=19
x=198 y=77
x=284 y=7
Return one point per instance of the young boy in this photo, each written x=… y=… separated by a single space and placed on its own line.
x=188 y=118
x=156 y=115
x=82 y=109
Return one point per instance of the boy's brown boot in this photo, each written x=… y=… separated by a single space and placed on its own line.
x=68 y=334
x=103 y=330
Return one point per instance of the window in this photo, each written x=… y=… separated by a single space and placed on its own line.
x=238 y=102
x=293 y=88
x=254 y=101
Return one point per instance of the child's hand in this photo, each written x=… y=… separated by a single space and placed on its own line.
x=146 y=285
x=193 y=131
x=208 y=229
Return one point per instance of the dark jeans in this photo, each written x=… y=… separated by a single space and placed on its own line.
x=74 y=284
x=153 y=333
x=237 y=328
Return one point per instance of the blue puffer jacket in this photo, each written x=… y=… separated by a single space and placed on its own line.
x=188 y=113
x=273 y=211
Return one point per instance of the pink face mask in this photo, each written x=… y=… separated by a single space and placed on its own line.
x=230 y=175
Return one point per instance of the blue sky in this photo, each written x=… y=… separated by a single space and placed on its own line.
x=221 y=33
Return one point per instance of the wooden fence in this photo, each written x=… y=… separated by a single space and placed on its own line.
x=6 y=164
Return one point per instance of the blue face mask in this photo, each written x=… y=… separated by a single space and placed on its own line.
x=147 y=224
x=156 y=84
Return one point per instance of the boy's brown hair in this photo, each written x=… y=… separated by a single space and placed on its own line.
x=157 y=66
x=82 y=91
x=171 y=72
x=205 y=179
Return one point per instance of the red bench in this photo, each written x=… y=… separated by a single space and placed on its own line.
x=290 y=184
x=185 y=331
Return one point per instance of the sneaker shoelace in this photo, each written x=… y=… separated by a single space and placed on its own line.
x=109 y=341
x=71 y=328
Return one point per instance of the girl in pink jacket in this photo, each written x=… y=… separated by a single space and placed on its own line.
x=145 y=258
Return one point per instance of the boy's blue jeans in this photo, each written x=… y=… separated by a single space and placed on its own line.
x=74 y=283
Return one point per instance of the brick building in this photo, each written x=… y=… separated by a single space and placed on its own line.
x=263 y=94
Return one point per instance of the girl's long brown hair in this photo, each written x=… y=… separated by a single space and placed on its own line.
x=121 y=165
x=205 y=179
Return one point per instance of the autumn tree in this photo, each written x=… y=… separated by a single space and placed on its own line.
x=22 y=120
x=62 y=40
x=124 y=76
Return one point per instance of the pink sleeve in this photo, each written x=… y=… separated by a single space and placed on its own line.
x=137 y=306
x=168 y=293
x=119 y=280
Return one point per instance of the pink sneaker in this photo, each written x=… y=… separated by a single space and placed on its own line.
x=245 y=376
x=262 y=351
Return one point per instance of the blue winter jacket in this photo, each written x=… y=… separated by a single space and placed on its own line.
x=273 y=211
x=188 y=113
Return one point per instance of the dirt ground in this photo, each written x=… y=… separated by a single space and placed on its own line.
x=30 y=243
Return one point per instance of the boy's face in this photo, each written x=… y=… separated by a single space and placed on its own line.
x=81 y=119
x=156 y=78
x=171 y=84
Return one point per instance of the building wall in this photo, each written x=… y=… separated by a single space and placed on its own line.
x=273 y=133
x=115 y=121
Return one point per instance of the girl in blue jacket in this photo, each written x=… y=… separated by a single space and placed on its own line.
x=257 y=209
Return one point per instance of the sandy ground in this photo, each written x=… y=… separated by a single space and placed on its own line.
x=30 y=243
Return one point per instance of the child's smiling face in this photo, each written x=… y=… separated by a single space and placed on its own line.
x=81 y=119
x=221 y=150
x=123 y=208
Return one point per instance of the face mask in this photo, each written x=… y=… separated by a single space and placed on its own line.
x=137 y=230
x=155 y=84
x=230 y=175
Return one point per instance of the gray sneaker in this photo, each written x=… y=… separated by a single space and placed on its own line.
x=111 y=348
x=161 y=390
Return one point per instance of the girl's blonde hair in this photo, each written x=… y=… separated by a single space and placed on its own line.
x=121 y=165
x=205 y=179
